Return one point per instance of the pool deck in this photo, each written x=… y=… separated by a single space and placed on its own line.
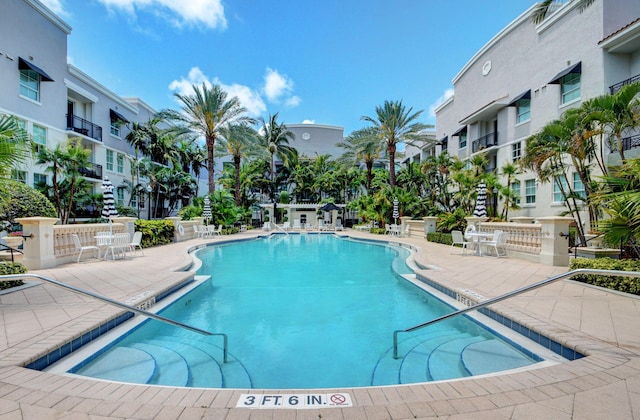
x=604 y=325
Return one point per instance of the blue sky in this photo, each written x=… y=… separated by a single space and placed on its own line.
x=321 y=61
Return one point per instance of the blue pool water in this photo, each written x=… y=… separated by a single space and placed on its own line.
x=304 y=311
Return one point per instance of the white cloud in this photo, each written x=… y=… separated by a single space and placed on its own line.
x=446 y=95
x=293 y=101
x=201 y=13
x=250 y=99
x=276 y=85
x=309 y=122
x=56 y=7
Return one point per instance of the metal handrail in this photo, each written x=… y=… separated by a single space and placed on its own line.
x=118 y=304
x=6 y=247
x=513 y=293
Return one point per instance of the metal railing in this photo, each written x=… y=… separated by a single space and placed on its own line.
x=92 y=170
x=483 y=142
x=511 y=294
x=614 y=88
x=119 y=305
x=5 y=247
x=85 y=127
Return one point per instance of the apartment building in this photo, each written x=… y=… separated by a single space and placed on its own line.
x=526 y=76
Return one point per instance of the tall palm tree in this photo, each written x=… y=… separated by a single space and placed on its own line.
x=236 y=141
x=273 y=141
x=205 y=112
x=510 y=170
x=544 y=7
x=363 y=145
x=15 y=144
x=396 y=124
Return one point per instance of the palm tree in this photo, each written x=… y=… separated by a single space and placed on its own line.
x=205 y=112
x=15 y=144
x=509 y=170
x=363 y=145
x=544 y=7
x=273 y=141
x=396 y=124
x=236 y=141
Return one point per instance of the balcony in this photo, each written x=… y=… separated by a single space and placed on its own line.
x=84 y=127
x=93 y=171
x=483 y=142
x=614 y=88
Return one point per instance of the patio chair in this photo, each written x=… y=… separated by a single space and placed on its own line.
x=296 y=224
x=199 y=231
x=217 y=231
x=498 y=243
x=458 y=239
x=266 y=226
x=286 y=226
x=135 y=243
x=120 y=244
x=79 y=248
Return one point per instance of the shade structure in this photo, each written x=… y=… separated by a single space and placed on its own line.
x=108 y=202
x=481 y=201
x=396 y=214
x=206 y=212
x=329 y=207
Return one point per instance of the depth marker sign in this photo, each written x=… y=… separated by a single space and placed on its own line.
x=335 y=399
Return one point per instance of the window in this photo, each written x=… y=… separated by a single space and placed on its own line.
x=578 y=186
x=120 y=163
x=120 y=196
x=109 y=160
x=30 y=85
x=134 y=200
x=516 y=151
x=463 y=139
x=39 y=137
x=39 y=180
x=530 y=191
x=115 y=127
x=558 y=197
x=523 y=109
x=515 y=192
x=20 y=176
x=570 y=87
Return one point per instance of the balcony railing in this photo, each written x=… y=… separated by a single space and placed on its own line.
x=93 y=170
x=483 y=142
x=614 y=88
x=82 y=126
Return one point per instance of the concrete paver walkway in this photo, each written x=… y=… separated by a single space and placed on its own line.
x=602 y=324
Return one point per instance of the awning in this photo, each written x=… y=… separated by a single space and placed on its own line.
x=486 y=113
x=117 y=116
x=443 y=141
x=526 y=95
x=25 y=65
x=460 y=130
x=576 y=68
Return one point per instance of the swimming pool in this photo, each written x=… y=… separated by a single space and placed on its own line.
x=304 y=311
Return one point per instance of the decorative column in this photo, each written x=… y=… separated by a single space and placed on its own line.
x=38 y=249
x=430 y=223
x=404 y=221
x=176 y=231
x=555 y=240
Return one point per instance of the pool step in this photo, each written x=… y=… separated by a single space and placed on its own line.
x=445 y=362
x=491 y=356
x=124 y=364
x=418 y=364
x=171 y=367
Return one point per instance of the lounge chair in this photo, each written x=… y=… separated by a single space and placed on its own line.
x=339 y=225
x=296 y=225
x=135 y=243
x=458 y=239
x=79 y=248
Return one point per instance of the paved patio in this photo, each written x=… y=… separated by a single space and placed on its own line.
x=603 y=325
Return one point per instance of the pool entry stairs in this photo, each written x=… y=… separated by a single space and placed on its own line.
x=170 y=361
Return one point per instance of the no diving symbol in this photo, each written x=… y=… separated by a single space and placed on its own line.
x=337 y=399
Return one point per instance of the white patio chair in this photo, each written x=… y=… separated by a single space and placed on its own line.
x=266 y=226
x=286 y=226
x=119 y=245
x=498 y=243
x=79 y=248
x=135 y=243
x=217 y=231
x=296 y=224
x=199 y=231
x=458 y=239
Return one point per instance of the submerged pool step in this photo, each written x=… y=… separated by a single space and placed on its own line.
x=445 y=361
x=171 y=368
x=123 y=364
x=492 y=356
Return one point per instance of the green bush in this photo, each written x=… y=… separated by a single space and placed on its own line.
x=155 y=232
x=378 y=231
x=621 y=284
x=19 y=200
x=440 y=238
x=11 y=268
x=190 y=212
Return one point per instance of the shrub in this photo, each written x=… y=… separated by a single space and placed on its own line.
x=19 y=200
x=621 y=284
x=11 y=268
x=378 y=231
x=440 y=238
x=190 y=212
x=155 y=232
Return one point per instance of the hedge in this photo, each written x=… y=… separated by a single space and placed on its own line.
x=11 y=268
x=440 y=238
x=621 y=284
x=155 y=232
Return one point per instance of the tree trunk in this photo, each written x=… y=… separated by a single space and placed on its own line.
x=236 y=163
x=391 y=150
x=211 y=142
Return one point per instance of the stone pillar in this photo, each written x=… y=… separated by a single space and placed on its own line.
x=128 y=222
x=430 y=223
x=555 y=240
x=404 y=221
x=176 y=234
x=38 y=250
